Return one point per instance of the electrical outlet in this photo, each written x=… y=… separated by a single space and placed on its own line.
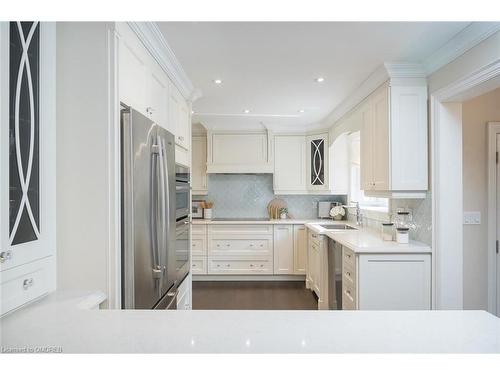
x=472 y=217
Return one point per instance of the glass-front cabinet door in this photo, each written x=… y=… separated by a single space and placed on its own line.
x=27 y=139
x=317 y=163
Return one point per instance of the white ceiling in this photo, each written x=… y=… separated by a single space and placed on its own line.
x=269 y=68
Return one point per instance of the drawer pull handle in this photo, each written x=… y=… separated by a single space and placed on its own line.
x=313 y=235
x=228 y=265
x=261 y=245
x=251 y=244
x=261 y=265
x=218 y=245
x=348 y=274
x=228 y=245
x=251 y=265
x=348 y=256
x=27 y=283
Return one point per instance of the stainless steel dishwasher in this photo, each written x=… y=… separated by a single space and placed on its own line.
x=334 y=265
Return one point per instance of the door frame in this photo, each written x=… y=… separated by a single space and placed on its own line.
x=493 y=220
x=447 y=181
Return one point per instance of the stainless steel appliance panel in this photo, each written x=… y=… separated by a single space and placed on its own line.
x=166 y=141
x=141 y=264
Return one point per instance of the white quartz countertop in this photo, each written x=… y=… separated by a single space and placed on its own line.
x=64 y=324
x=275 y=221
x=366 y=240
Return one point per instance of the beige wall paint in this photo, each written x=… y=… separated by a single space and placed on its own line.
x=475 y=115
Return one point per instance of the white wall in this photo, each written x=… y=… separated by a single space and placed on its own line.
x=83 y=141
x=475 y=115
x=476 y=62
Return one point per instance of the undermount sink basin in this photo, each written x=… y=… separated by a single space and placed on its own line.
x=337 y=227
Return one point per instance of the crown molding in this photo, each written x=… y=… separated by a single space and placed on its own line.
x=396 y=71
x=466 y=39
x=154 y=41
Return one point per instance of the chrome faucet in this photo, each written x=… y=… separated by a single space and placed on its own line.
x=359 y=215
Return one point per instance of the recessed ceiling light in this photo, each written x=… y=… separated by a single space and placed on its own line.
x=217 y=81
x=302 y=110
x=246 y=111
x=319 y=79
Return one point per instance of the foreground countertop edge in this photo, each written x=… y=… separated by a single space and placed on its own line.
x=57 y=321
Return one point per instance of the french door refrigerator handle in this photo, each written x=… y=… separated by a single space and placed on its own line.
x=164 y=208
x=156 y=269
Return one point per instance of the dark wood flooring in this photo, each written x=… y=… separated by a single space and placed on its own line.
x=252 y=295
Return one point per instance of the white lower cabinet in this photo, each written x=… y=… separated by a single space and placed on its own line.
x=283 y=249
x=248 y=249
x=199 y=249
x=299 y=249
x=240 y=249
x=184 y=294
x=317 y=268
x=385 y=281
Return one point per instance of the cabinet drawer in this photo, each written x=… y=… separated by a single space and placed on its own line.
x=199 y=246
x=348 y=300
x=349 y=273
x=199 y=229
x=237 y=247
x=199 y=266
x=228 y=230
x=240 y=267
x=25 y=283
x=348 y=257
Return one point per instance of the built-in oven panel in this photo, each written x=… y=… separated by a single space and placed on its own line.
x=182 y=200
x=182 y=251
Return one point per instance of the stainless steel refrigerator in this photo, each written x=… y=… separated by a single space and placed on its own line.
x=148 y=214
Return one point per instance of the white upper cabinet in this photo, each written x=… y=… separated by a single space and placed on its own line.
x=394 y=141
x=179 y=117
x=309 y=164
x=239 y=152
x=199 y=165
x=317 y=162
x=289 y=164
x=145 y=86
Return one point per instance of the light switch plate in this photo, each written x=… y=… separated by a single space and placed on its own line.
x=472 y=217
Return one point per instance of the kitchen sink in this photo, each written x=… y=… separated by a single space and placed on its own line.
x=337 y=227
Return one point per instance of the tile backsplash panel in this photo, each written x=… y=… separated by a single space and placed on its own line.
x=247 y=196
x=421 y=223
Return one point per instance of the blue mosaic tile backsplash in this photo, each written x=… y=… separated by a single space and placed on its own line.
x=247 y=196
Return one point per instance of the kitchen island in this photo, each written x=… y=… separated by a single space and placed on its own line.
x=66 y=323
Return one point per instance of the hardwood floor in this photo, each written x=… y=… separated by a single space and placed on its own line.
x=252 y=295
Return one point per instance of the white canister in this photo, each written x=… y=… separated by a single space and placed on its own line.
x=207 y=213
x=388 y=231
x=402 y=235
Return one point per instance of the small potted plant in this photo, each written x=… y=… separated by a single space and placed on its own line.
x=283 y=213
x=207 y=209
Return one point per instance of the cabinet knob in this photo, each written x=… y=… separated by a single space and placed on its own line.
x=5 y=255
x=27 y=283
